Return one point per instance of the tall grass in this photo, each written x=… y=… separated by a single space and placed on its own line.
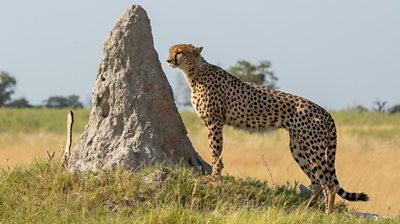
x=40 y=120
x=42 y=193
x=369 y=125
x=367 y=154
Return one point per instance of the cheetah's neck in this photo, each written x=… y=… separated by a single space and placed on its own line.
x=193 y=71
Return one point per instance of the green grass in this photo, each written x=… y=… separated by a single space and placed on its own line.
x=54 y=121
x=352 y=117
x=369 y=124
x=40 y=120
x=43 y=193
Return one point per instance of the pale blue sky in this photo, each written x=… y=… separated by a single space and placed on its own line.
x=337 y=53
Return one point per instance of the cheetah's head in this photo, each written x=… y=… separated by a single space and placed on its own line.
x=181 y=55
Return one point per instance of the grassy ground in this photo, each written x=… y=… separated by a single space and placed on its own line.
x=367 y=156
x=40 y=120
x=42 y=192
x=26 y=134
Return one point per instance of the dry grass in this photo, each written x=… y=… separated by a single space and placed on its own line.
x=22 y=148
x=367 y=156
x=363 y=164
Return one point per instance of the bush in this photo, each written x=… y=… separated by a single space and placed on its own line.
x=394 y=109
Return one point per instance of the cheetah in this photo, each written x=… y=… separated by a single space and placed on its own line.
x=221 y=99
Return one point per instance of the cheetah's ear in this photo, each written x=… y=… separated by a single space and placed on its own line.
x=197 y=50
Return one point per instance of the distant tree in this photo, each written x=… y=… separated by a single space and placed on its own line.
x=394 y=109
x=56 y=102
x=379 y=106
x=260 y=73
x=71 y=101
x=361 y=108
x=7 y=86
x=19 y=103
x=181 y=92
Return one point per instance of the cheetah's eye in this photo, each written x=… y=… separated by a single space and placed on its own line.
x=179 y=52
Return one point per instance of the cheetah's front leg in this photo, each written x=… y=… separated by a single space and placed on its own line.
x=215 y=140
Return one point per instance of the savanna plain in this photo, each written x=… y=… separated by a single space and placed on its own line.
x=367 y=155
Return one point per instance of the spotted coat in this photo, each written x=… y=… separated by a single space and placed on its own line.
x=222 y=99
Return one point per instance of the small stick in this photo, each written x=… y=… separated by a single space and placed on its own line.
x=50 y=156
x=269 y=171
x=67 y=151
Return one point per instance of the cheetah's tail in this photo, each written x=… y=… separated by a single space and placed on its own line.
x=352 y=196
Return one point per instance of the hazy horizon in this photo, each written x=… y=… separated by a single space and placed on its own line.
x=337 y=54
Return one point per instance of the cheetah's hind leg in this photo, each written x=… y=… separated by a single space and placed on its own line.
x=315 y=197
x=329 y=200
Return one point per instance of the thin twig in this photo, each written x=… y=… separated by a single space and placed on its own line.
x=192 y=202
x=269 y=171
x=50 y=156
